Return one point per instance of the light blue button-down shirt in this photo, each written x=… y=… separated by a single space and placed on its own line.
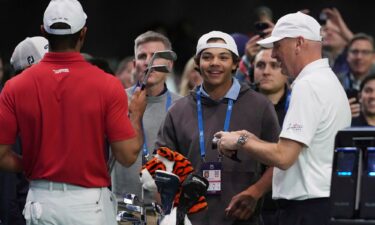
x=233 y=92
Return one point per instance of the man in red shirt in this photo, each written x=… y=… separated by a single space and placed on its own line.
x=64 y=109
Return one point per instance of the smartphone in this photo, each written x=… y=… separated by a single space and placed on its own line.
x=352 y=93
x=322 y=18
x=260 y=27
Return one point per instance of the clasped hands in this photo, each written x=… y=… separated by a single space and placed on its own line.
x=227 y=142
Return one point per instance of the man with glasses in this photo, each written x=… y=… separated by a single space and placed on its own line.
x=302 y=158
x=360 y=58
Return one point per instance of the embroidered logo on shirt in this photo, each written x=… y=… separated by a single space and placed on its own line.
x=65 y=70
x=294 y=127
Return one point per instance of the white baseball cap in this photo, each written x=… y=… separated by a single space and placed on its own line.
x=293 y=25
x=229 y=44
x=64 y=11
x=28 y=52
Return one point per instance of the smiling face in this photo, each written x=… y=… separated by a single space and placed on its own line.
x=360 y=57
x=216 y=66
x=267 y=73
x=367 y=98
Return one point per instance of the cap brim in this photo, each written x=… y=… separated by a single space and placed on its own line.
x=268 y=42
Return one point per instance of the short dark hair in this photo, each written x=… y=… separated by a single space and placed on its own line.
x=366 y=80
x=361 y=36
x=57 y=42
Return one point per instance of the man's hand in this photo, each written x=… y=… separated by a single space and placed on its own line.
x=137 y=105
x=355 y=107
x=242 y=205
x=9 y=160
x=252 y=48
x=227 y=143
x=334 y=15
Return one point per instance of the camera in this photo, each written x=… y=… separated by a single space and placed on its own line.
x=214 y=142
x=322 y=19
x=260 y=27
x=352 y=93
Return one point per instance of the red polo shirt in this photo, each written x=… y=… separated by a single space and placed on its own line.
x=64 y=108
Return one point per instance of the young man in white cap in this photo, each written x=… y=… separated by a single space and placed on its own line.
x=64 y=108
x=28 y=52
x=221 y=101
x=318 y=109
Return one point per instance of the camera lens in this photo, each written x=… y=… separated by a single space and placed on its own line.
x=322 y=18
x=260 y=26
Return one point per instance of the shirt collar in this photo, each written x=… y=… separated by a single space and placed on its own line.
x=309 y=68
x=63 y=56
x=232 y=93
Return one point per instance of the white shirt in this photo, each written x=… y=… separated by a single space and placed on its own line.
x=318 y=109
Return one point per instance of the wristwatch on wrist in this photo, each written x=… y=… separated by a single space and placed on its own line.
x=242 y=139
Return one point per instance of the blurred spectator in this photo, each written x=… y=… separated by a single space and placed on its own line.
x=264 y=13
x=102 y=64
x=272 y=82
x=99 y=62
x=367 y=100
x=360 y=58
x=336 y=36
x=125 y=71
x=190 y=77
x=263 y=26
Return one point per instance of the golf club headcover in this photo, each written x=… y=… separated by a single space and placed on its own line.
x=193 y=188
x=169 y=161
x=168 y=185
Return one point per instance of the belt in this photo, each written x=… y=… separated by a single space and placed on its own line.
x=282 y=203
x=54 y=186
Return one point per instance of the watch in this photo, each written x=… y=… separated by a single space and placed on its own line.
x=242 y=139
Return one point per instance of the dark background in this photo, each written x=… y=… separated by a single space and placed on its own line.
x=113 y=25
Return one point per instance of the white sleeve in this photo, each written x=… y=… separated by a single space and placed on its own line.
x=304 y=113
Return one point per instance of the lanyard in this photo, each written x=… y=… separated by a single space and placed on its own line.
x=287 y=100
x=200 y=121
x=168 y=103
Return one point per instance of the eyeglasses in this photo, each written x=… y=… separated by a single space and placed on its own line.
x=362 y=52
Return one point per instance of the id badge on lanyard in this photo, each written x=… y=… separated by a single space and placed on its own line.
x=211 y=170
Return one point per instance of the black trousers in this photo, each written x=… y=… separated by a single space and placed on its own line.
x=305 y=212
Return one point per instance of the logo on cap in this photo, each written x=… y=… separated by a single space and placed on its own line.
x=30 y=60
